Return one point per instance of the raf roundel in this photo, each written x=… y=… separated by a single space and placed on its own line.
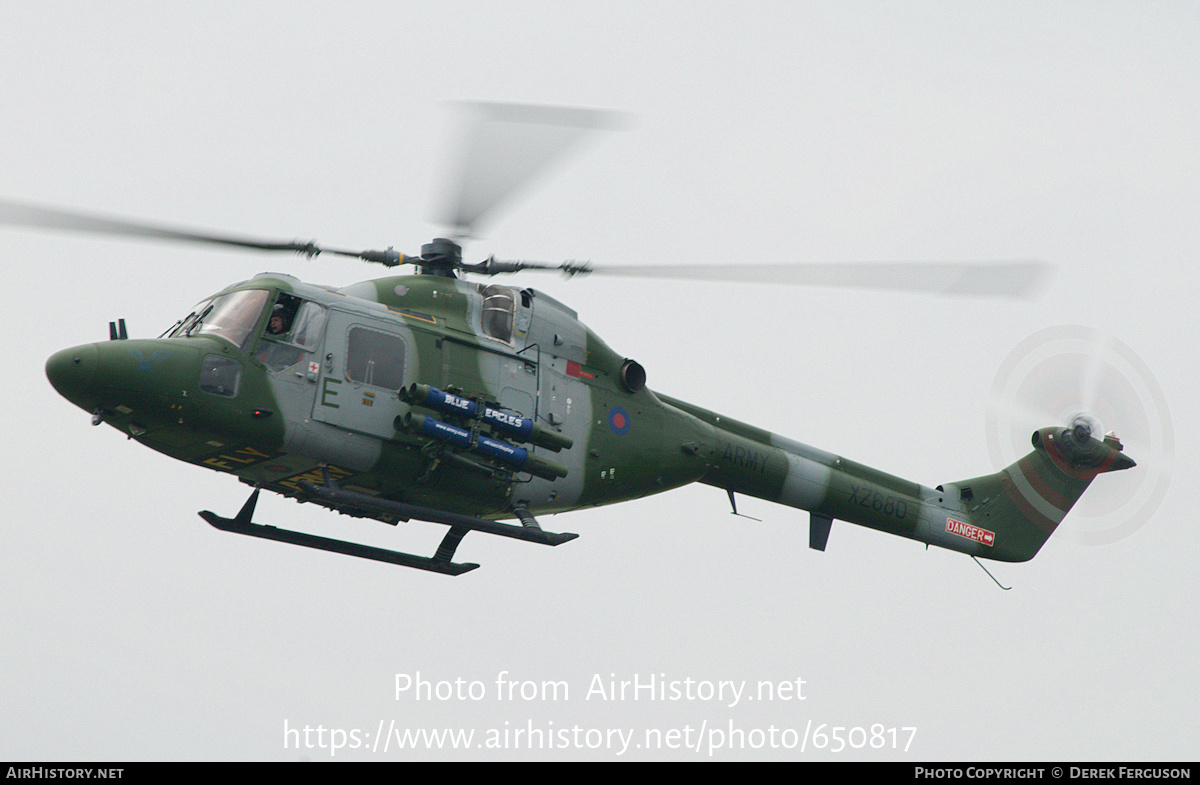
x=618 y=420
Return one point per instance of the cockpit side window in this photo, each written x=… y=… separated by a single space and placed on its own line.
x=308 y=326
x=294 y=327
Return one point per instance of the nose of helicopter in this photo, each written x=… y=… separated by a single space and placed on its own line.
x=73 y=371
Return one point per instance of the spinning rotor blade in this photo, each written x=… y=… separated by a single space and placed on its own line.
x=1075 y=377
x=22 y=214
x=981 y=279
x=1013 y=279
x=506 y=147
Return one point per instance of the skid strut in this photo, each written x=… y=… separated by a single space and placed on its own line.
x=440 y=562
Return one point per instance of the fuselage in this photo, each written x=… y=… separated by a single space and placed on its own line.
x=494 y=402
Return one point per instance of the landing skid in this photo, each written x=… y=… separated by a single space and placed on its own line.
x=440 y=562
x=242 y=525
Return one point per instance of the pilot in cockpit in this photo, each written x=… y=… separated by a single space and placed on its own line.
x=278 y=323
x=273 y=355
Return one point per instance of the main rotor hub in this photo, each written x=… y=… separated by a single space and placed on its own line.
x=442 y=256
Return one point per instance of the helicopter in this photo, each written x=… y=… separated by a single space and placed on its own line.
x=483 y=407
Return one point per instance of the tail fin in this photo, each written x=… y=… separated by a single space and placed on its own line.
x=1013 y=512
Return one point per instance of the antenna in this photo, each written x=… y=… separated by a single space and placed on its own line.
x=993 y=577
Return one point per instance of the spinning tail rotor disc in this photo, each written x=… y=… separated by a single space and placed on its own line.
x=1093 y=383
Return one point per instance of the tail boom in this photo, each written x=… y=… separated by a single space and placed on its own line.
x=1006 y=516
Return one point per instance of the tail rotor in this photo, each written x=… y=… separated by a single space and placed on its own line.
x=1094 y=386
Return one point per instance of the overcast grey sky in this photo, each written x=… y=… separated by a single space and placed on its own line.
x=765 y=132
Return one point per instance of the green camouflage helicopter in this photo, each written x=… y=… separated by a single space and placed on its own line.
x=428 y=397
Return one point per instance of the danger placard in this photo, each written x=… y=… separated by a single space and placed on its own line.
x=971 y=532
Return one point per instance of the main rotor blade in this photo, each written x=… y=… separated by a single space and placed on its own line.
x=20 y=214
x=506 y=147
x=1006 y=279
x=33 y=216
